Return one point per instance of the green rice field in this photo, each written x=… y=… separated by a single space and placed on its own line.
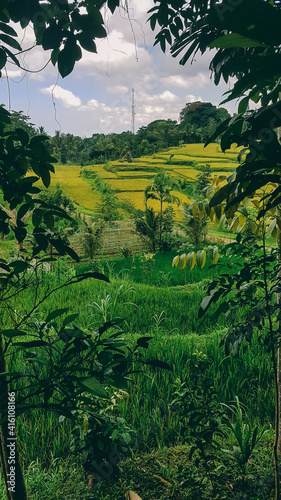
x=129 y=180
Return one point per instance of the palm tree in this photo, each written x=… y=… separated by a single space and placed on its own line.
x=160 y=189
x=194 y=227
x=90 y=236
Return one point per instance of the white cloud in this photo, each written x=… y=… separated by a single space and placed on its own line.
x=12 y=73
x=96 y=97
x=118 y=89
x=179 y=81
x=93 y=104
x=68 y=98
x=193 y=98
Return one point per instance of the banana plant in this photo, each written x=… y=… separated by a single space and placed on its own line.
x=242 y=218
x=189 y=260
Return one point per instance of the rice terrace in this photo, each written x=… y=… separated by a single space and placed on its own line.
x=140 y=250
x=129 y=180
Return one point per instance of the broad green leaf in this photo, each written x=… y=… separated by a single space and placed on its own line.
x=93 y=386
x=190 y=260
x=54 y=56
x=20 y=234
x=235 y=224
x=109 y=324
x=12 y=374
x=52 y=37
x=118 y=381
x=23 y=210
x=67 y=58
x=11 y=42
x=242 y=220
x=144 y=342
x=19 y=266
x=6 y=28
x=45 y=176
x=221 y=195
x=218 y=211
x=158 y=364
x=49 y=220
x=243 y=105
x=113 y=4
x=3 y=58
x=33 y=343
x=213 y=253
x=256 y=97
x=271 y=228
x=69 y=319
x=182 y=261
x=208 y=300
x=22 y=136
x=194 y=207
x=87 y=42
x=13 y=332
x=234 y=40
x=201 y=213
x=55 y=314
x=176 y=260
x=97 y=276
x=201 y=258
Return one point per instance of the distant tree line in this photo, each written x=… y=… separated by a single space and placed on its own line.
x=197 y=121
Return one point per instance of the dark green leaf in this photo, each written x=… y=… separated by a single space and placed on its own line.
x=45 y=176
x=6 y=28
x=69 y=319
x=52 y=37
x=109 y=324
x=54 y=56
x=11 y=42
x=22 y=136
x=3 y=58
x=12 y=375
x=13 y=332
x=117 y=381
x=55 y=314
x=87 y=42
x=19 y=266
x=20 y=234
x=49 y=220
x=37 y=217
x=23 y=210
x=234 y=40
x=215 y=294
x=93 y=386
x=221 y=195
x=67 y=57
x=243 y=105
x=158 y=364
x=143 y=342
x=12 y=56
x=97 y=276
x=33 y=343
x=112 y=4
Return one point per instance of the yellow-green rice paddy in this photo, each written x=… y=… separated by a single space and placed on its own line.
x=129 y=180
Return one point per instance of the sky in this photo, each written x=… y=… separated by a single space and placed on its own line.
x=97 y=96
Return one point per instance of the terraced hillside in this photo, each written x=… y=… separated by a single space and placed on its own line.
x=128 y=181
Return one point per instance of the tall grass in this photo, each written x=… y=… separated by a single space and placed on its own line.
x=248 y=376
x=169 y=315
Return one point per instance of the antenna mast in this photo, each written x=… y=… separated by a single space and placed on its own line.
x=133 y=111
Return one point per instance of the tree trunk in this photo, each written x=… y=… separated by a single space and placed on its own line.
x=9 y=453
x=277 y=444
x=161 y=217
x=278 y=391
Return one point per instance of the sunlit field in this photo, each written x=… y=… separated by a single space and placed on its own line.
x=128 y=181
